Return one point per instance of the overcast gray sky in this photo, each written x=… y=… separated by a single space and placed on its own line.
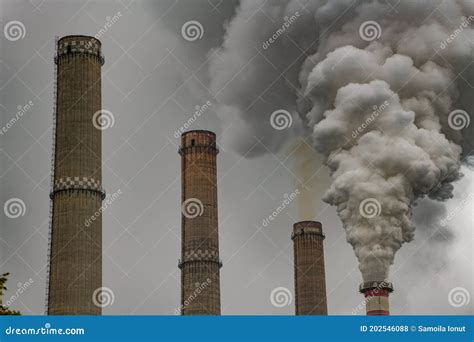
x=151 y=81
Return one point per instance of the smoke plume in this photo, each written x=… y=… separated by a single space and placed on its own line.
x=382 y=87
x=311 y=178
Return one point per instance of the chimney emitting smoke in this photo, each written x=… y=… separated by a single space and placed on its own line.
x=376 y=297
x=310 y=278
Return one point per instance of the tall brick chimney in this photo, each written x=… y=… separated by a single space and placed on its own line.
x=75 y=252
x=200 y=264
x=310 y=278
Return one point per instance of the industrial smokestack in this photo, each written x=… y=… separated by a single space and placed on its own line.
x=75 y=251
x=310 y=278
x=376 y=297
x=200 y=263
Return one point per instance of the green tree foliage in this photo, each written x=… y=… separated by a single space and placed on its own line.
x=4 y=310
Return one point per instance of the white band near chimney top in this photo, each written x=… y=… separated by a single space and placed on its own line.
x=200 y=255
x=78 y=183
x=84 y=46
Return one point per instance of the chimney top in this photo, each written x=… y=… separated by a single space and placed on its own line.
x=198 y=131
x=376 y=284
x=307 y=227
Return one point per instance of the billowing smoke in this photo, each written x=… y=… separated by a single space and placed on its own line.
x=383 y=89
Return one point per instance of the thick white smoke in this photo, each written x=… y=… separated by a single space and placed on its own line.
x=377 y=102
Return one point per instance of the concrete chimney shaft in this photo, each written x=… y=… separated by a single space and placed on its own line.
x=376 y=297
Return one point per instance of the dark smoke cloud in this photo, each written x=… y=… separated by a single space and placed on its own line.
x=375 y=84
x=428 y=218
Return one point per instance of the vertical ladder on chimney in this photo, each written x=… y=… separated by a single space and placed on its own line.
x=53 y=157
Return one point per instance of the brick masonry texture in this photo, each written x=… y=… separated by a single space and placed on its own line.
x=310 y=278
x=200 y=262
x=76 y=250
